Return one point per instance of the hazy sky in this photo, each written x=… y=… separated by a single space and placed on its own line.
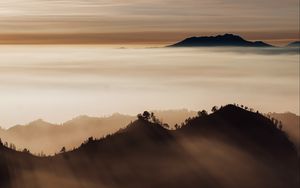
x=145 y=21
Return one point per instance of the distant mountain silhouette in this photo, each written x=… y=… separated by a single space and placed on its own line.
x=230 y=148
x=40 y=136
x=226 y=40
x=294 y=44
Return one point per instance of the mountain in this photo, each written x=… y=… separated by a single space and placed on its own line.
x=40 y=136
x=294 y=44
x=234 y=123
x=226 y=40
x=291 y=125
x=229 y=148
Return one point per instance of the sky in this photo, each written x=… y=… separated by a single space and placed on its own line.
x=145 y=22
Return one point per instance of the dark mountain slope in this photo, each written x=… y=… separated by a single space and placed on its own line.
x=4 y=172
x=12 y=163
x=291 y=125
x=228 y=40
x=247 y=127
x=230 y=148
x=139 y=135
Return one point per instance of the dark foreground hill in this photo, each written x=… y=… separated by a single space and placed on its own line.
x=230 y=148
x=227 y=40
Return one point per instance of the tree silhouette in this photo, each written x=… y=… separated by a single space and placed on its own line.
x=214 y=109
x=154 y=119
x=165 y=125
x=25 y=150
x=202 y=113
x=12 y=146
x=42 y=154
x=276 y=122
x=63 y=150
x=89 y=140
x=140 y=116
x=189 y=119
x=146 y=115
x=280 y=125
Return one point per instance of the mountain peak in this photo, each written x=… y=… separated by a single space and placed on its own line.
x=240 y=123
x=229 y=35
x=226 y=40
x=145 y=128
x=39 y=122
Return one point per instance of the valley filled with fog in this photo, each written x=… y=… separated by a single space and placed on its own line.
x=57 y=82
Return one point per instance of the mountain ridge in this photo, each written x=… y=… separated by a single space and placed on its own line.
x=41 y=135
x=145 y=154
x=226 y=40
x=50 y=139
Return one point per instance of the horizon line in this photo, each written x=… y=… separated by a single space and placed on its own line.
x=119 y=113
x=129 y=38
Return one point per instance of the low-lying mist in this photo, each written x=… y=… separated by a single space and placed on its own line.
x=57 y=83
x=190 y=162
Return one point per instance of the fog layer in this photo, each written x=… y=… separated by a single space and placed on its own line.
x=57 y=83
